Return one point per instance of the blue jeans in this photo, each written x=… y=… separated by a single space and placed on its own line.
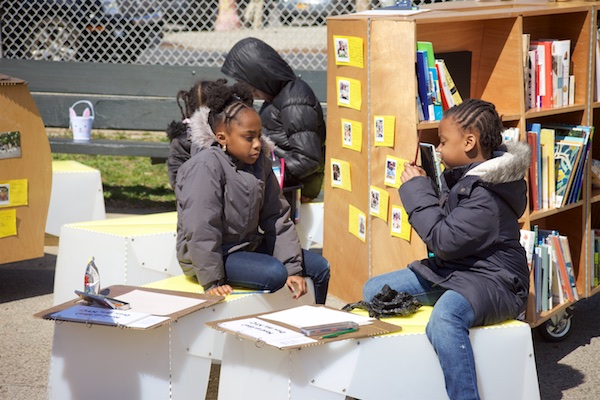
x=447 y=329
x=261 y=271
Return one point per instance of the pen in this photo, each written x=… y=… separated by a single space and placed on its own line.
x=251 y=292
x=336 y=334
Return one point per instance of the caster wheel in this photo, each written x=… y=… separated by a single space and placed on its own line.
x=556 y=329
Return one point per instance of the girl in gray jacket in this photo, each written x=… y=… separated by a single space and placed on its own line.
x=234 y=227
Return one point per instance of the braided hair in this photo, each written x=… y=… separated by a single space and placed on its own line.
x=189 y=100
x=482 y=116
x=225 y=102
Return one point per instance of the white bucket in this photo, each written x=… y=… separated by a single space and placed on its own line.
x=81 y=126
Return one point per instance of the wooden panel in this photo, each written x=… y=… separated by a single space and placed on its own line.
x=19 y=113
x=392 y=92
x=347 y=254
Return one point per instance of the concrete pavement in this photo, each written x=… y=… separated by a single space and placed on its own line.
x=569 y=370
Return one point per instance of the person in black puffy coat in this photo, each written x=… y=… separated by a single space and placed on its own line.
x=478 y=274
x=291 y=113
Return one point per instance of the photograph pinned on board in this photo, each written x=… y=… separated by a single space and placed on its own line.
x=336 y=173
x=347 y=127
x=342 y=52
x=344 y=91
x=390 y=171
x=362 y=226
x=375 y=201
x=4 y=194
x=379 y=129
x=10 y=144
x=396 y=220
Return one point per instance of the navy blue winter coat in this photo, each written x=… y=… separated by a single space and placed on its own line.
x=473 y=231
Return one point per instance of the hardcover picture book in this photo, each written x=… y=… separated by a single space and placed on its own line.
x=431 y=164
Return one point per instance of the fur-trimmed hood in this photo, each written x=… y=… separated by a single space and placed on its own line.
x=202 y=136
x=509 y=163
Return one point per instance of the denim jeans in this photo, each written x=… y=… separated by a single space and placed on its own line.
x=255 y=270
x=447 y=330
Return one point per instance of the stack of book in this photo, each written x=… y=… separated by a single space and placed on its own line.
x=437 y=91
x=558 y=156
x=547 y=68
x=549 y=256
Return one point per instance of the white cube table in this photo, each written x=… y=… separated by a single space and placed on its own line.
x=76 y=195
x=393 y=366
x=127 y=251
x=168 y=362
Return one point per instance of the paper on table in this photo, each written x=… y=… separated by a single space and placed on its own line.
x=157 y=303
x=311 y=315
x=267 y=332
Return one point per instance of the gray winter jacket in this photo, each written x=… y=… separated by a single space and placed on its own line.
x=473 y=232
x=224 y=205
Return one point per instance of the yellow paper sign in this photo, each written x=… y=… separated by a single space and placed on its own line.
x=400 y=226
x=357 y=223
x=385 y=127
x=348 y=51
x=348 y=93
x=13 y=193
x=8 y=222
x=352 y=135
x=378 y=203
x=394 y=167
x=340 y=174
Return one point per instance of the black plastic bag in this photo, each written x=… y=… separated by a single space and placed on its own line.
x=388 y=303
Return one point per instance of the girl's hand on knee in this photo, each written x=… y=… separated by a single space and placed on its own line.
x=220 y=290
x=297 y=285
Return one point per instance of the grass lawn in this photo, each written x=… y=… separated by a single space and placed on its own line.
x=129 y=182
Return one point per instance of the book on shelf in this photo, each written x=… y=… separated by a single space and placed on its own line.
x=458 y=65
x=527 y=240
x=561 y=50
x=424 y=85
x=433 y=87
x=544 y=66
x=532 y=80
x=533 y=171
x=536 y=129
x=566 y=252
x=556 y=291
x=565 y=280
x=547 y=143
x=566 y=157
x=595 y=173
x=597 y=54
x=596 y=270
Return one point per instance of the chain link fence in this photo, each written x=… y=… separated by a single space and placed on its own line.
x=169 y=32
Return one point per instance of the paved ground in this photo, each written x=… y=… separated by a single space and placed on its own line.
x=569 y=370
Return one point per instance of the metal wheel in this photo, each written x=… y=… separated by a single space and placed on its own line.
x=557 y=328
x=53 y=40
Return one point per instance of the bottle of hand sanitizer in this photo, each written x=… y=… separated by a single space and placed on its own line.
x=91 y=282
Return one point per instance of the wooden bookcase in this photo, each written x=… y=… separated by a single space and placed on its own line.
x=493 y=33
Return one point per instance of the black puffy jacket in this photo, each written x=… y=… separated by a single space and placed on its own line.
x=293 y=120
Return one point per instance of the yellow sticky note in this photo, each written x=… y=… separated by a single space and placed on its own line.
x=357 y=223
x=378 y=203
x=8 y=222
x=13 y=193
x=348 y=93
x=348 y=51
x=394 y=167
x=340 y=174
x=352 y=135
x=384 y=128
x=400 y=226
